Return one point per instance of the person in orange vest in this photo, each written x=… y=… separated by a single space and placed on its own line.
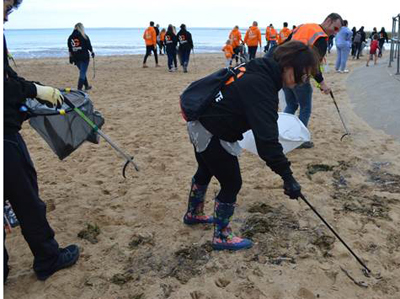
x=271 y=35
x=161 y=43
x=266 y=48
x=253 y=39
x=284 y=33
x=316 y=36
x=150 y=38
x=228 y=50
x=236 y=38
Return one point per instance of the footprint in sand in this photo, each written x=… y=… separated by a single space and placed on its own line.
x=222 y=283
x=304 y=293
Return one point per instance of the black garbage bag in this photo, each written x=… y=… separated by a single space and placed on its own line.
x=63 y=129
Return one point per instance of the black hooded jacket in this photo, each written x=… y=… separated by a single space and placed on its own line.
x=185 y=40
x=170 y=41
x=16 y=91
x=251 y=102
x=79 y=46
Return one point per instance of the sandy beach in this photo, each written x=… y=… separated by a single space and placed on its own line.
x=136 y=246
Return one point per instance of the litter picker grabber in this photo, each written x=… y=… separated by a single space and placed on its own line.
x=128 y=158
x=368 y=271
x=340 y=115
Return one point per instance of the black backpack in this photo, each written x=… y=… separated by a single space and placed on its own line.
x=196 y=98
x=358 y=37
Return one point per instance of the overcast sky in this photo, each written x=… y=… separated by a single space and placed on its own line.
x=198 y=13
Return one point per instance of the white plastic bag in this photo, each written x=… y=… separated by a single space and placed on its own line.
x=292 y=133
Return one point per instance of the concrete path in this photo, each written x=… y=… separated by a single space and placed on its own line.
x=375 y=93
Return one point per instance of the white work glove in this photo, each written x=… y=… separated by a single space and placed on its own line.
x=49 y=95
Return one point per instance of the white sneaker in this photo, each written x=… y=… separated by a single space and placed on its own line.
x=345 y=71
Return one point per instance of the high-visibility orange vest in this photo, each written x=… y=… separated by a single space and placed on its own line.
x=309 y=33
x=283 y=34
x=272 y=34
x=267 y=32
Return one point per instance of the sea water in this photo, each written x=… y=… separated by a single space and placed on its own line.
x=39 y=43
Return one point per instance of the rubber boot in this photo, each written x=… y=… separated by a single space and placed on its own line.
x=195 y=211
x=224 y=239
x=80 y=84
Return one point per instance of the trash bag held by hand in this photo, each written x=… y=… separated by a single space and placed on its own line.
x=63 y=129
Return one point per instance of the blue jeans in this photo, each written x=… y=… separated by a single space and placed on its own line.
x=82 y=66
x=300 y=95
x=171 y=58
x=185 y=55
x=342 y=55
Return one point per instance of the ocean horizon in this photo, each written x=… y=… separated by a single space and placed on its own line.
x=47 y=43
x=107 y=41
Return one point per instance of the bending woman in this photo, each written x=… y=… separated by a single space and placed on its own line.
x=248 y=102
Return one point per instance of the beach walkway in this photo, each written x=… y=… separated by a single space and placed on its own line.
x=375 y=93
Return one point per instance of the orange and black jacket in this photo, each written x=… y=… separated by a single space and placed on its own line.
x=170 y=41
x=16 y=91
x=185 y=40
x=251 y=102
x=79 y=46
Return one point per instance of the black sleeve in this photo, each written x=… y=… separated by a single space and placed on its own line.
x=69 y=44
x=261 y=106
x=17 y=89
x=190 y=40
x=89 y=44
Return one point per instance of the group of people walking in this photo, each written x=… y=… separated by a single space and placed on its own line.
x=352 y=42
x=176 y=44
x=253 y=40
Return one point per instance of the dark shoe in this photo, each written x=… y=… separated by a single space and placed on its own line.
x=88 y=87
x=307 y=144
x=80 y=84
x=68 y=256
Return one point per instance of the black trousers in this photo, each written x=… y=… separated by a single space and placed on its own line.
x=252 y=52
x=21 y=190
x=216 y=161
x=150 y=49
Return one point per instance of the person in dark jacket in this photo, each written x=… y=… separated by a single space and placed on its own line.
x=353 y=47
x=79 y=47
x=20 y=180
x=171 y=41
x=383 y=37
x=185 y=46
x=249 y=102
x=359 y=39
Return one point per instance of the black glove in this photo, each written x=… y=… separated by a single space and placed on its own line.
x=291 y=187
x=71 y=60
x=92 y=54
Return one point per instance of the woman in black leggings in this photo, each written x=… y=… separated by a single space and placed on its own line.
x=249 y=102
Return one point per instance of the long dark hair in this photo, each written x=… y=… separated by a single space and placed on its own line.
x=302 y=58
